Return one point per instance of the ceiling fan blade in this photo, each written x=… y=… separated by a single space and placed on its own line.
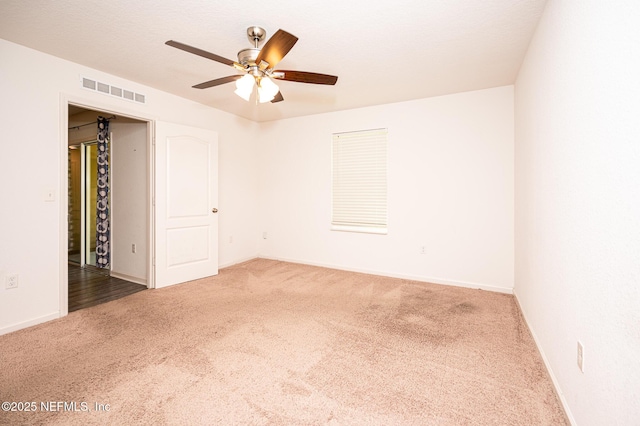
x=217 y=82
x=306 y=77
x=199 y=52
x=278 y=98
x=276 y=48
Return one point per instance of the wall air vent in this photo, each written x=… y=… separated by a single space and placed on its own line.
x=88 y=84
x=107 y=89
x=116 y=91
x=104 y=88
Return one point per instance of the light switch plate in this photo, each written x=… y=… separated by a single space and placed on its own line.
x=49 y=195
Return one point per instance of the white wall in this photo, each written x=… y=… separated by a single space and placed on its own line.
x=238 y=229
x=450 y=190
x=129 y=200
x=577 y=103
x=31 y=84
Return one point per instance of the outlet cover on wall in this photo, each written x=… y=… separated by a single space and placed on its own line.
x=11 y=281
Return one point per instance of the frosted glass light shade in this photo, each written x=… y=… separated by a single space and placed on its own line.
x=244 y=86
x=267 y=90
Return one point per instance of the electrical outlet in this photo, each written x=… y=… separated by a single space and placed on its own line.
x=11 y=281
x=580 y=357
x=230 y=239
x=264 y=235
x=133 y=248
x=422 y=250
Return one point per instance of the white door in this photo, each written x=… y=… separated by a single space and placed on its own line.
x=186 y=198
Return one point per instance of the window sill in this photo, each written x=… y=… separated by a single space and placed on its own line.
x=359 y=229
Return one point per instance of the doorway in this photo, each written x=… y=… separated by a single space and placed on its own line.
x=124 y=271
x=164 y=198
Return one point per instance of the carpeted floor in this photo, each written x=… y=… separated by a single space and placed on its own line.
x=268 y=342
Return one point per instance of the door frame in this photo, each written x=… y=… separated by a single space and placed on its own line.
x=65 y=101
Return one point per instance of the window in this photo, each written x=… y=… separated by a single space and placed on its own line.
x=359 y=181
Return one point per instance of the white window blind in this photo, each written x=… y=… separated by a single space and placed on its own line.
x=359 y=181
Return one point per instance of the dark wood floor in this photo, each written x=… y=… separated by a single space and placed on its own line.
x=90 y=286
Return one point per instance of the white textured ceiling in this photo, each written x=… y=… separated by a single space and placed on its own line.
x=382 y=51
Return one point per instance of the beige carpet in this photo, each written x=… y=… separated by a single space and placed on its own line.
x=269 y=342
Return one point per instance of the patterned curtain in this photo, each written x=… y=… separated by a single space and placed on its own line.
x=70 y=239
x=102 y=210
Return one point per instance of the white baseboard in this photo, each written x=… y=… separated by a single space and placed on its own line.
x=554 y=380
x=128 y=278
x=431 y=280
x=30 y=323
x=236 y=262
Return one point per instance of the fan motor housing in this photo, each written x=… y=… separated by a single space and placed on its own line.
x=248 y=56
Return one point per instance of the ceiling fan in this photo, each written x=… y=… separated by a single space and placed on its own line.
x=257 y=66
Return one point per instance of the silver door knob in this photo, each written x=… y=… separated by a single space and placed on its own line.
x=214 y=210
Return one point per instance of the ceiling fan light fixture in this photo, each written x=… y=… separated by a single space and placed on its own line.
x=267 y=90
x=244 y=86
x=258 y=66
